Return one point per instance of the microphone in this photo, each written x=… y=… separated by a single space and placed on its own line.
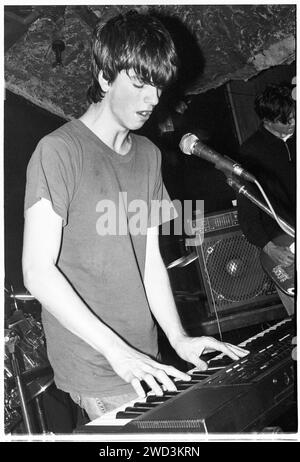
x=190 y=144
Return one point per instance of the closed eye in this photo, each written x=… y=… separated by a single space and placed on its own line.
x=138 y=85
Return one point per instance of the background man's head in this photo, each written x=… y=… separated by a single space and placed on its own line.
x=276 y=108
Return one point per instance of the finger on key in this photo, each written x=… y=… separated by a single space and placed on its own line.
x=173 y=372
x=240 y=351
x=165 y=380
x=151 y=382
x=138 y=387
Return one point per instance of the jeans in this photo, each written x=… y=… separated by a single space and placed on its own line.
x=96 y=407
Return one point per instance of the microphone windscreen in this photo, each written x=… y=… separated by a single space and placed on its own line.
x=187 y=143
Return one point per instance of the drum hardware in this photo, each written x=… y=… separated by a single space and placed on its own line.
x=22 y=385
x=31 y=344
x=11 y=343
x=12 y=417
x=33 y=390
x=27 y=371
x=22 y=301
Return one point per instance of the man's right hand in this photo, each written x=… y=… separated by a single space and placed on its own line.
x=135 y=367
x=279 y=254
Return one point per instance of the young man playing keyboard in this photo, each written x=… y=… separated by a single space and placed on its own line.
x=101 y=290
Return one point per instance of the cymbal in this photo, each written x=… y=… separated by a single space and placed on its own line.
x=38 y=386
x=22 y=297
x=34 y=374
x=33 y=389
x=183 y=261
x=35 y=382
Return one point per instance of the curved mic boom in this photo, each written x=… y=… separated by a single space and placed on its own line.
x=190 y=144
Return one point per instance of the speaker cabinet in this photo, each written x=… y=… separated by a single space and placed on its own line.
x=230 y=267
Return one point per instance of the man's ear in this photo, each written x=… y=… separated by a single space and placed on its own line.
x=103 y=82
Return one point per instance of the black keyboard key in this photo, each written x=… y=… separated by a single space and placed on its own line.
x=165 y=397
x=127 y=415
x=200 y=377
x=184 y=385
x=134 y=409
x=147 y=405
x=221 y=362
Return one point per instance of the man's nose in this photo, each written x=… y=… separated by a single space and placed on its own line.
x=152 y=95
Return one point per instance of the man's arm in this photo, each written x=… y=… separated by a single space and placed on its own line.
x=42 y=240
x=163 y=307
x=252 y=226
x=250 y=221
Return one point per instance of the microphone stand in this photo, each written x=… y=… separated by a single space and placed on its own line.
x=237 y=186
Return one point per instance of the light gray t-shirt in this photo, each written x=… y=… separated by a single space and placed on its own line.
x=81 y=176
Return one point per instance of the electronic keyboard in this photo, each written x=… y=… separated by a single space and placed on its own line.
x=230 y=396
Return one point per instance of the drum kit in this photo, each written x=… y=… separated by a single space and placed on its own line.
x=27 y=372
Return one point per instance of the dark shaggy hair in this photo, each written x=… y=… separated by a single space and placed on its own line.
x=275 y=103
x=132 y=41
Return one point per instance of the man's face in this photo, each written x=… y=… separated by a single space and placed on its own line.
x=282 y=130
x=131 y=101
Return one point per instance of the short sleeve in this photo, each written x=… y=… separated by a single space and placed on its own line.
x=162 y=210
x=51 y=175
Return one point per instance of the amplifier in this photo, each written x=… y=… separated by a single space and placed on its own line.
x=229 y=265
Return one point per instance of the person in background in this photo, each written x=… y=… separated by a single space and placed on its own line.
x=270 y=155
x=100 y=286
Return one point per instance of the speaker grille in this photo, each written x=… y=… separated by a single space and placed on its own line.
x=232 y=273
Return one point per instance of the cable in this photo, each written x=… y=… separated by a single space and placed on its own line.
x=211 y=292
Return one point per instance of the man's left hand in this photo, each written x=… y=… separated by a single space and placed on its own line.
x=191 y=348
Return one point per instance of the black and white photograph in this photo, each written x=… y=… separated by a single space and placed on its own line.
x=149 y=225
